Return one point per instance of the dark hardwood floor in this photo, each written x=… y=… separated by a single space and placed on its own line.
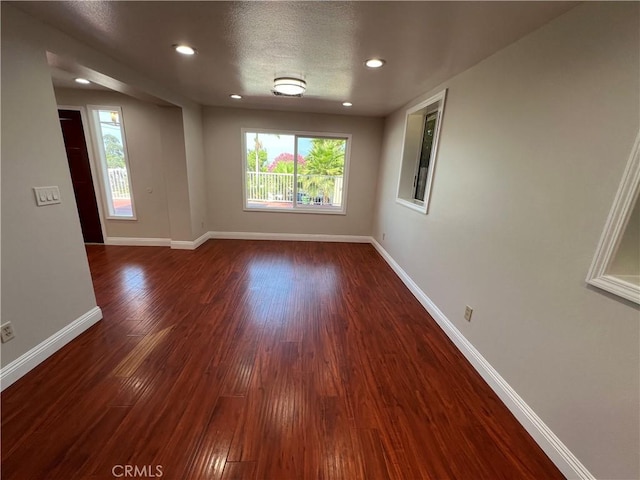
x=259 y=360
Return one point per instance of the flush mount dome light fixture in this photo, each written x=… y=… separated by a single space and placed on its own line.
x=83 y=81
x=184 y=49
x=374 y=62
x=235 y=96
x=289 y=86
x=347 y=104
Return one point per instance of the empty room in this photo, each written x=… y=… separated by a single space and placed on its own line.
x=320 y=240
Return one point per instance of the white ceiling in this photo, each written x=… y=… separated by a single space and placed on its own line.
x=242 y=46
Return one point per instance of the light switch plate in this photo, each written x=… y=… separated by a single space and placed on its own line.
x=47 y=195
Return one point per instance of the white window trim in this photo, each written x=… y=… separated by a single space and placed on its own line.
x=316 y=210
x=96 y=178
x=626 y=197
x=412 y=203
x=101 y=156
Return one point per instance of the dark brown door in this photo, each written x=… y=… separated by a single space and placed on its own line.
x=78 y=157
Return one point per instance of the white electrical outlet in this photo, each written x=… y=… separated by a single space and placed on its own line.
x=468 y=311
x=7 y=332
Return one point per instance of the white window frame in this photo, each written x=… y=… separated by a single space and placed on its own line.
x=98 y=144
x=410 y=159
x=296 y=208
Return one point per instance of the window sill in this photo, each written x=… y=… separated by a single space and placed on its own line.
x=134 y=218
x=413 y=205
x=310 y=210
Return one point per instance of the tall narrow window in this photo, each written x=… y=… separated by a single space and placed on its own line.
x=419 y=152
x=425 y=156
x=112 y=149
x=299 y=172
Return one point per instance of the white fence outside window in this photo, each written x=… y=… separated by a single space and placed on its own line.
x=278 y=187
x=119 y=183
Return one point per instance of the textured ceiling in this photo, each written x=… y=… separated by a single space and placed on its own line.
x=242 y=46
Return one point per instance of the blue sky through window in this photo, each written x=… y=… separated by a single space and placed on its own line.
x=277 y=144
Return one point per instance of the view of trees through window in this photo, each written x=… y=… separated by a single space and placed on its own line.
x=117 y=184
x=281 y=167
x=113 y=151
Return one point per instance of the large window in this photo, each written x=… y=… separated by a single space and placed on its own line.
x=301 y=172
x=112 y=151
x=419 y=153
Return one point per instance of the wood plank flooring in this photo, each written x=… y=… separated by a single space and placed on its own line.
x=259 y=360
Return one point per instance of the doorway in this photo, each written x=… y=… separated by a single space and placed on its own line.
x=81 y=178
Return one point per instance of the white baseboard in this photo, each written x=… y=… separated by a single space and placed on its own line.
x=201 y=239
x=190 y=244
x=559 y=454
x=38 y=354
x=300 y=237
x=138 y=242
x=193 y=244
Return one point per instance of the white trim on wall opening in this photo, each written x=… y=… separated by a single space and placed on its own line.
x=623 y=205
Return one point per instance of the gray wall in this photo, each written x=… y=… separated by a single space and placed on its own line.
x=45 y=275
x=195 y=161
x=191 y=163
x=223 y=147
x=175 y=167
x=534 y=143
x=143 y=129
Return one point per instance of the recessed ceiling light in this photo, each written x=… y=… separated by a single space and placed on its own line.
x=293 y=87
x=83 y=81
x=235 y=96
x=184 y=49
x=347 y=104
x=374 y=63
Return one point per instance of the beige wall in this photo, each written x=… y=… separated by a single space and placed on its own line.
x=45 y=275
x=223 y=147
x=195 y=161
x=143 y=129
x=136 y=83
x=534 y=143
x=175 y=167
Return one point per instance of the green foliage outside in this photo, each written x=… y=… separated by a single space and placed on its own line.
x=257 y=154
x=325 y=158
x=283 y=163
x=114 y=151
x=282 y=167
x=316 y=171
x=251 y=160
x=257 y=160
x=324 y=161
